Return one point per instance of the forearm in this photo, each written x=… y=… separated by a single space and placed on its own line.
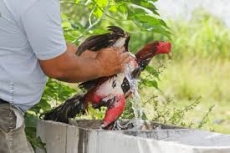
x=78 y=69
x=71 y=68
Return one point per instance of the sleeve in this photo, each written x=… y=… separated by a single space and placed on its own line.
x=42 y=26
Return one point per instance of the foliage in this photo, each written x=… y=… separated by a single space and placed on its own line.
x=95 y=15
x=163 y=112
x=200 y=67
x=207 y=37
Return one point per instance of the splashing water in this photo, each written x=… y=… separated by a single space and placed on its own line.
x=136 y=99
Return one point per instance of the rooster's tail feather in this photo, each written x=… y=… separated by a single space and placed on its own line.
x=69 y=109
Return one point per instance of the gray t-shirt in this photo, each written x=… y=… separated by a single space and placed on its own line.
x=29 y=30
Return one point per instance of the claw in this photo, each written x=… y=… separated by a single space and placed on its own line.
x=122 y=126
x=119 y=125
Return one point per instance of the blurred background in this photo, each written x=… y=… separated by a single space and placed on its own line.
x=201 y=58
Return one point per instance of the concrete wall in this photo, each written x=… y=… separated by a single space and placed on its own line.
x=63 y=138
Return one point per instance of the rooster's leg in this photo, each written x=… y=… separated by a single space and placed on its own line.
x=115 y=108
x=118 y=125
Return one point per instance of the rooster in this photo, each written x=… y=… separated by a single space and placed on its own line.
x=112 y=91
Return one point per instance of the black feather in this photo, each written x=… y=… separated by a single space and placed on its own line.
x=69 y=109
x=97 y=42
x=88 y=84
x=94 y=43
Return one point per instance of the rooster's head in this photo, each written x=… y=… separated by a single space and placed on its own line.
x=150 y=50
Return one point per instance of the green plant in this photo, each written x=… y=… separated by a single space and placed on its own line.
x=164 y=111
x=207 y=37
x=82 y=17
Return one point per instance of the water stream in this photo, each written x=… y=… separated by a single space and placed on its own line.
x=135 y=98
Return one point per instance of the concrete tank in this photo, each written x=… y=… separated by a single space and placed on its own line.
x=84 y=136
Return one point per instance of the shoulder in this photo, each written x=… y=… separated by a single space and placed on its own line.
x=19 y=9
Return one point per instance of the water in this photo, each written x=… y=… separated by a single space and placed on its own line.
x=135 y=98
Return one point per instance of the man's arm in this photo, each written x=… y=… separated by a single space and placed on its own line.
x=71 y=68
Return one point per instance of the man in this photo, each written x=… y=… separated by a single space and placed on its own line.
x=32 y=46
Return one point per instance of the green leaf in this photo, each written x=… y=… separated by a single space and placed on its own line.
x=31 y=120
x=152 y=71
x=99 y=6
x=77 y=1
x=77 y=26
x=150 y=83
x=146 y=21
x=144 y=116
x=122 y=7
x=147 y=5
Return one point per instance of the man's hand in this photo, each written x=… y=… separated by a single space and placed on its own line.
x=112 y=60
x=90 y=65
